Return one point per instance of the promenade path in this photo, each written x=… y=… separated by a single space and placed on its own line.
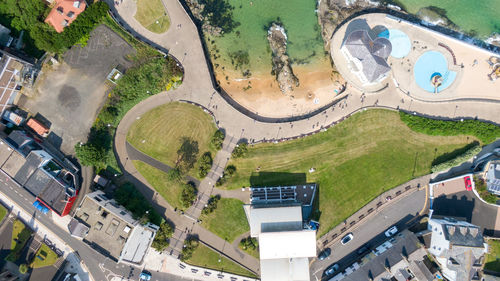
x=183 y=42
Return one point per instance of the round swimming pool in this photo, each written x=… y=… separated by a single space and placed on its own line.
x=431 y=72
x=400 y=42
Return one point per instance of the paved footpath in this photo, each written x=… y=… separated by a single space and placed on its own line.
x=183 y=42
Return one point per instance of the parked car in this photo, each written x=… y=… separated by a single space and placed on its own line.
x=391 y=231
x=347 y=239
x=323 y=255
x=468 y=183
x=363 y=249
x=145 y=276
x=331 y=269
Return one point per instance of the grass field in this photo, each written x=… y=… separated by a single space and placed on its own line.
x=170 y=191
x=205 y=257
x=492 y=261
x=152 y=15
x=20 y=235
x=355 y=161
x=158 y=133
x=3 y=212
x=49 y=257
x=252 y=252
x=228 y=221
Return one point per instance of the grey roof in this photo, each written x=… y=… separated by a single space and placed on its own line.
x=77 y=229
x=31 y=164
x=461 y=235
x=21 y=142
x=421 y=272
x=54 y=194
x=493 y=178
x=273 y=218
x=371 y=53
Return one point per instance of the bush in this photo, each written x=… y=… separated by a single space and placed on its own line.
x=457 y=160
x=483 y=191
x=217 y=139
x=240 y=150
x=485 y=132
x=204 y=164
x=211 y=204
x=190 y=245
x=23 y=268
x=130 y=198
x=160 y=242
x=174 y=175
x=188 y=195
x=90 y=154
x=249 y=243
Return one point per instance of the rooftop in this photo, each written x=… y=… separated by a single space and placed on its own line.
x=287 y=244
x=273 y=218
x=64 y=13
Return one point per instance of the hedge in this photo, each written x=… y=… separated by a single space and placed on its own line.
x=457 y=160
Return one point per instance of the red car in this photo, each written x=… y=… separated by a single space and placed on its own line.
x=468 y=183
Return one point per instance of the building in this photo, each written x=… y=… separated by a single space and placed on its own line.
x=458 y=247
x=367 y=57
x=52 y=181
x=400 y=258
x=64 y=13
x=276 y=219
x=492 y=177
x=15 y=73
x=111 y=229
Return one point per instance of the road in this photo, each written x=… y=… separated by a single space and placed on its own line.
x=400 y=213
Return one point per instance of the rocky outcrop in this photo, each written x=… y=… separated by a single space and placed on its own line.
x=197 y=9
x=281 y=62
x=435 y=16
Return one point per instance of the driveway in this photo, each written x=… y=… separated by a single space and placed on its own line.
x=70 y=95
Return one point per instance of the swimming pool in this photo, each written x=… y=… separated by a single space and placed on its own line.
x=400 y=42
x=429 y=65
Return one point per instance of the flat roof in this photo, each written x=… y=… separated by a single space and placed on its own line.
x=137 y=244
x=296 y=269
x=287 y=244
x=273 y=218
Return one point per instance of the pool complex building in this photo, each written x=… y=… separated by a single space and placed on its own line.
x=379 y=51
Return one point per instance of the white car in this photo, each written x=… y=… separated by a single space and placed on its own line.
x=347 y=239
x=391 y=231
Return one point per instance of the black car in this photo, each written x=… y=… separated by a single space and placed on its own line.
x=332 y=269
x=323 y=255
x=363 y=249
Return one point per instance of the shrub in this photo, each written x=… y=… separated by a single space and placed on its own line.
x=211 y=204
x=174 y=175
x=204 y=164
x=249 y=243
x=457 y=160
x=217 y=139
x=240 y=150
x=23 y=268
x=160 y=242
x=228 y=173
x=486 y=132
x=190 y=245
x=90 y=154
x=188 y=195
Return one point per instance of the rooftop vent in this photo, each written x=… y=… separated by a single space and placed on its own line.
x=76 y=4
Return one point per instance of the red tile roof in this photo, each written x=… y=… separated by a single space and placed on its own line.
x=64 y=13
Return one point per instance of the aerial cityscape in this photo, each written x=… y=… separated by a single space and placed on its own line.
x=245 y=140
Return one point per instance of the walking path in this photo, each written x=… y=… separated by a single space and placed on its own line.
x=183 y=42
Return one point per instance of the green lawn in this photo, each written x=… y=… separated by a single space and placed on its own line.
x=355 y=161
x=47 y=257
x=159 y=132
x=228 y=221
x=152 y=15
x=252 y=252
x=170 y=191
x=20 y=235
x=3 y=212
x=493 y=257
x=205 y=257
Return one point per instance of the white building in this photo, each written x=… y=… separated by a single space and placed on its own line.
x=458 y=247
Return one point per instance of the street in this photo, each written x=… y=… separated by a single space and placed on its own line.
x=399 y=213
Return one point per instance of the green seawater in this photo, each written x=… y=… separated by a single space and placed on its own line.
x=305 y=44
x=481 y=16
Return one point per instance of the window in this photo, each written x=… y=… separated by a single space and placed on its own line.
x=71 y=14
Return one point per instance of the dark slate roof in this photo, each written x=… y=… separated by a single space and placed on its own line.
x=421 y=272
x=31 y=164
x=371 y=53
x=458 y=235
x=37 y=182
x=54 y=194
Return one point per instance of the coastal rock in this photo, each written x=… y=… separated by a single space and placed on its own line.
x=435 y=16
x=281 y=62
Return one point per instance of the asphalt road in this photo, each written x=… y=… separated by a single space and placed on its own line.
x=101 y=267
x=400 y=213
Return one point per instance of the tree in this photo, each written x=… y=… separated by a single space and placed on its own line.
x=240 y=150
x=190 y=245
x=160 y=242
x=186 y=154
x=174 y=175
x=211 y=204
x=188 y=195
x=90 y=154
x=217 y=139
x=130 y=198
x=204 y=164
x=23 y=268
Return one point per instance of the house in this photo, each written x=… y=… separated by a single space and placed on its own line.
x=400 y=258
x=64 y=13
x=111 y=229
x=458 y=247
x=276 y=219
x=52 y=181
x=367 y=57
x=492 y=177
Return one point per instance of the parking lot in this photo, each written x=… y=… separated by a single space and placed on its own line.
x=69 y=95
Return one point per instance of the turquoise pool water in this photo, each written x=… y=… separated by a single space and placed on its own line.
x=430 y=64
x=400 y=42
